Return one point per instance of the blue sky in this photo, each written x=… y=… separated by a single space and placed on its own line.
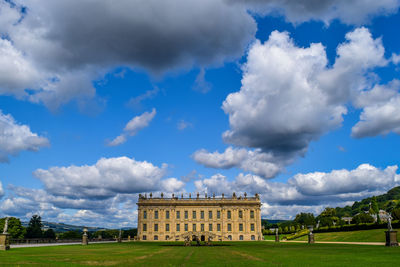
x=297 y=101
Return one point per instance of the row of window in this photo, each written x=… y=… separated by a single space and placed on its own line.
x=194 y=228
x=194 y=214
x=253 y=237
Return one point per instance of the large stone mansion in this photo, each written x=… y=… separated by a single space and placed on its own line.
x=206 y=218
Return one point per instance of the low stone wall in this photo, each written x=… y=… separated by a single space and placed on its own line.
x=48 y=241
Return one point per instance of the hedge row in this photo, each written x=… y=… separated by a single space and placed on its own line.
x=296 y=235
x=356 y=227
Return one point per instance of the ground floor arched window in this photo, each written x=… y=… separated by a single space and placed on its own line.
x=156 y=237
x=166 y=237
x=229 y=237
x=253 y=237
x=144 y=237
x=240 y=237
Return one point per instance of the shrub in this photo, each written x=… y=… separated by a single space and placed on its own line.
x=297 y=235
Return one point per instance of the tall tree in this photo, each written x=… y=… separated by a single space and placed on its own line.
x=362 y=218
x=34 y=230
x=374 y=205
x=49 y=233
x=305 y=219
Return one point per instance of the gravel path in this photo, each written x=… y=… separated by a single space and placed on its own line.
x=339 y=242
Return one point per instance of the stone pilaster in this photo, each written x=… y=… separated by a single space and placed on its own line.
x=4 y=242
x=391 y=239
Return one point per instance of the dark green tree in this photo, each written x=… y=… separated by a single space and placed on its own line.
x=328 y=217
x=362 y=218
x=15 y=228
x=390 y=205
x=49 y=233
x=374 y=205
x=305 y=219
x=131 y=232
x=34 y=229
x=71 y=235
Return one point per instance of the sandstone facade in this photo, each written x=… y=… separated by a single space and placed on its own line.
x=205 y=218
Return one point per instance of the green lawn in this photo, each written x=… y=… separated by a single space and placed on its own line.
x=225 y=254
x=376 y=235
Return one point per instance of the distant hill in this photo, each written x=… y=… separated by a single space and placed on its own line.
x=62 y=227
x=273 y=221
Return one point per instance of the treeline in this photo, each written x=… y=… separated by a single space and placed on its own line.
x=332 y=219
x=34 y=231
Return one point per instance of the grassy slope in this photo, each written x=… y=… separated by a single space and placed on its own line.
x=233 y=253
x=376 y=235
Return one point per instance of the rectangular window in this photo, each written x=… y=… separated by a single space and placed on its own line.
x=252 y=227
x=186 y=227
x=178 y=227
x=210 y=227
x=178 y=214
x=229 y=227
x=144 y=227
x=156 y=227
x=218 y=227
x=194 y=227
x=186 y=214
x=202 y=227
x=252 y=214
x=144 y=237
x=229 y=214
x=156 y=214
x=218 y=214
x=167 y=214
x=241 y=227
x=167 y=227
x=202 y=214
x=144 y=214
x=210 y=214
x=194 y=214
x=240 y=214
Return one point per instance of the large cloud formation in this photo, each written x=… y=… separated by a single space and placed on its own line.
x=15 y=138
x=57 y=48
x=290 y=96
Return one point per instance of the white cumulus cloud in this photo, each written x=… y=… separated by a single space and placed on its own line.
x=290 y=97
x=380 y=111
x=15 y=138
x=364 y=178
x=103 y=179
